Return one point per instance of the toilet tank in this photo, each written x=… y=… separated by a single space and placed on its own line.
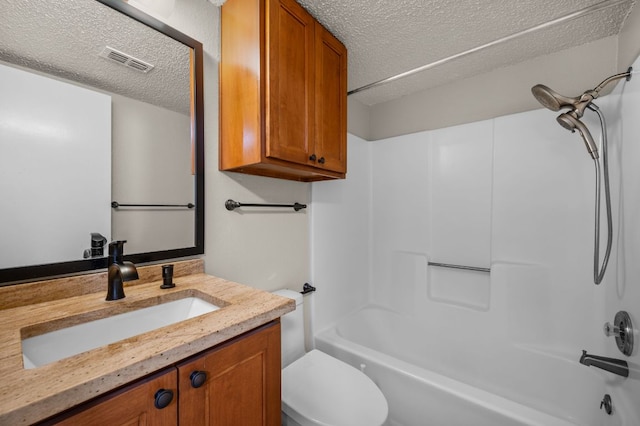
x=292 y=325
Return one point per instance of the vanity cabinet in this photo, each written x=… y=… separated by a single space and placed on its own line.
x=235 y=383
x=132 y=405
x=283 y=93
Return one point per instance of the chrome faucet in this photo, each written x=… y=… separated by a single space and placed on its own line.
x=612 y=365
x=119 y=271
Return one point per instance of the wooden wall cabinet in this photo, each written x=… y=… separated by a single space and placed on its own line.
x=235 y=383
x=283 y=93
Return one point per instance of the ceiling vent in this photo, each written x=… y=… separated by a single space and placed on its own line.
x=126 y=60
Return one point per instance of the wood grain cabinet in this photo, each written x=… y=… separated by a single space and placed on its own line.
x=283 y=93
x=135 y=404
x=235 y=383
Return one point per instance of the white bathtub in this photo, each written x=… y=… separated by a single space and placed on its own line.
x=427 y=381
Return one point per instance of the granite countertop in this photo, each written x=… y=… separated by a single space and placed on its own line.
x=30 y=395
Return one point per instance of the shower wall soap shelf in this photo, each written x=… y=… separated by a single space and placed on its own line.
x=464 y=267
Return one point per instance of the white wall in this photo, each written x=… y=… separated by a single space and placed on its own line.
x=514 y=193
x=622 y=290
x=341 y=238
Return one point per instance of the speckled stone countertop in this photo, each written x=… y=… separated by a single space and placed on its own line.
x=30 y=395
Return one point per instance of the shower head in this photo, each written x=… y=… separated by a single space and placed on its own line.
x=555 y=101
x=569 y=121
x=552 y=100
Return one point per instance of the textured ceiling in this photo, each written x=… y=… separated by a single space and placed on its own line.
x=64 y=38
x=389 y=37
x=384 y=38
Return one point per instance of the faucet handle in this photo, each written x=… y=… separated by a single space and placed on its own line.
x=611 y=330
x=116 y=251
x=622 y=330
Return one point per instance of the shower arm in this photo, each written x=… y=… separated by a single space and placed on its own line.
x=615 y=77
x=587 y=97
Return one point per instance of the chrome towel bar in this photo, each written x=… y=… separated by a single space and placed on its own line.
x=468 y=268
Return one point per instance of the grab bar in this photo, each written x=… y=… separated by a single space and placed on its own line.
x=467 y=268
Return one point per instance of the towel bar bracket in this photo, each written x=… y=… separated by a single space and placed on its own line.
x=307 y=288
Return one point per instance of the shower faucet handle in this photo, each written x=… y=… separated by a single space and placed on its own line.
x=622 y=330
x=611 y=330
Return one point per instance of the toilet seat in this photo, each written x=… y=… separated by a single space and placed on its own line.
x=318 y=389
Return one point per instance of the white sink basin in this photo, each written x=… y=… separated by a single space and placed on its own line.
x=66 y=342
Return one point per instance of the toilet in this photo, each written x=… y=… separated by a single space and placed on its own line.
x=320 y=390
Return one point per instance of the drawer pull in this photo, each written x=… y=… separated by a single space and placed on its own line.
x=198 y=378
x=163 y=398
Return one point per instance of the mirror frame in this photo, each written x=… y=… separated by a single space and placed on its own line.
x=20 y=274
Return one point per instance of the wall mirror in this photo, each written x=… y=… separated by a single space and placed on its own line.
x=101 y=138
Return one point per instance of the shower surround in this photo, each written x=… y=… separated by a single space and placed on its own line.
x=514 y=194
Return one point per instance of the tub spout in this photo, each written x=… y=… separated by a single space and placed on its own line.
x=612 y=365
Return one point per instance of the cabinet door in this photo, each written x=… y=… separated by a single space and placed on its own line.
x=331 y=102
x=290 y=89
x=133 y=405
x=238 y=383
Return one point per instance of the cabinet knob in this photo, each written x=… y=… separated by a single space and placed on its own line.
x=198 y=378
x=321 y=160
x=313 y=157
x=163 y=398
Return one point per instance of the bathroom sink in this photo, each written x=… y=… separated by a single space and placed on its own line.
x=66 y=342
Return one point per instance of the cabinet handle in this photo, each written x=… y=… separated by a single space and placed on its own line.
x=321 y=160
x=163 y=398
x=313 y=157
x=198 y=378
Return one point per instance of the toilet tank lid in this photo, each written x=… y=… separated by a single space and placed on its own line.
x=291 y=294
